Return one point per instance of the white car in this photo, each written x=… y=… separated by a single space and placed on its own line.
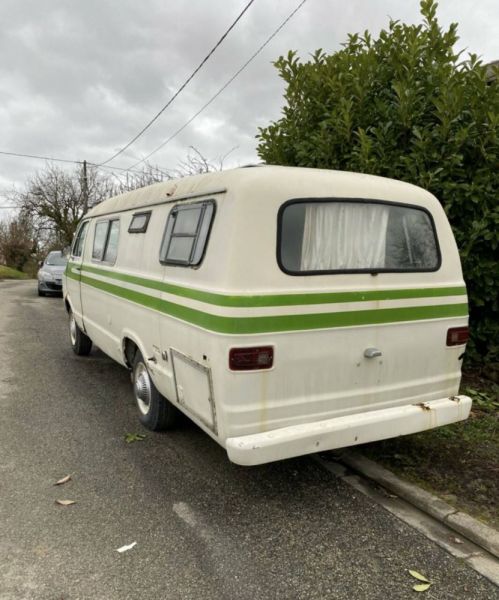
x=50 y=273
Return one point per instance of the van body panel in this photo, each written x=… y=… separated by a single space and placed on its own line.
x=327 y=375
x=323 y=327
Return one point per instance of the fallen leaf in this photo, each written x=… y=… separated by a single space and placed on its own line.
x=125 y=548
x=63 y=480
x=418 y=576
x=421 y=587
x=65 y=502
x=134 y=437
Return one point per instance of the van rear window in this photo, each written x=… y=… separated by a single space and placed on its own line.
x=347 y=236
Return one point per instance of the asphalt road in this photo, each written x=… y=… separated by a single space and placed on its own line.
x=204 y=528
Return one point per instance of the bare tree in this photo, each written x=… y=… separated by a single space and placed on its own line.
x=196 y=163
x=54 y=200
x=118 y=182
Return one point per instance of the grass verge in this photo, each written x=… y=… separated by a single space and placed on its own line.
x=8 y=273
x=459 y=462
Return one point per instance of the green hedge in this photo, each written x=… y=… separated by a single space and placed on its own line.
x=407 y=106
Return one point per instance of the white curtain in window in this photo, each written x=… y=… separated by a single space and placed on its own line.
x=344 y=235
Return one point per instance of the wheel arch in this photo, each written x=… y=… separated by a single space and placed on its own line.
x=130 y=344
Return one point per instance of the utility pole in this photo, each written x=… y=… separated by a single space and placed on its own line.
x=85 y=188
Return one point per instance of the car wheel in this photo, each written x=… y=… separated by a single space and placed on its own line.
x=80 y=342
x=40 y=293
x=155 y=411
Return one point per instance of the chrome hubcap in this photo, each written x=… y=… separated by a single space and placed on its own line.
x=142 y=388
x=72 y=329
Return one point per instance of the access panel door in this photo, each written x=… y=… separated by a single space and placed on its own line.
x=194 y=388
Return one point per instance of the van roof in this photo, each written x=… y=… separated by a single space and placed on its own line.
x=294 y=179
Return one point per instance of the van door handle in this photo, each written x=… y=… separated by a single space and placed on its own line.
x=77 y=268
x=372 y=352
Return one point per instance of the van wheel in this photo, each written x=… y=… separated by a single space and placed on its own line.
x=155 y=412
x=80 y=342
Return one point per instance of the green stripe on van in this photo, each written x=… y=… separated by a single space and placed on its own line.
x=277 y=299
x=267 y=324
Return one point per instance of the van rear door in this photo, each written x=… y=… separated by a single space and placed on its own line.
x=373 y=332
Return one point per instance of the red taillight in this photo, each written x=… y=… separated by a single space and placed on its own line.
x=250 y=359
x=457 y=336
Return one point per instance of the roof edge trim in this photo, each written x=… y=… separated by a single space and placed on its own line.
x=168 y=200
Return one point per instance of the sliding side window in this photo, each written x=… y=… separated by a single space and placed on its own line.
x=186 y=234
x=106 y=241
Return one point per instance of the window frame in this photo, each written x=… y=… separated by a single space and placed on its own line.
x=371 y=271
x=143 y=229
x=185 y=206
x=104 y=248
x=84 y=224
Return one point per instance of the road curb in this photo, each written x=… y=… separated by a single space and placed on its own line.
x=482 y=535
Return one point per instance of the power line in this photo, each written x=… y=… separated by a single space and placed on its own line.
x=186 y=82
x=64 y=160
x=130 y=170
x=67 y=160
x=269 y=39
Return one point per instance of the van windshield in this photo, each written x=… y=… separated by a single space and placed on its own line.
x=342 y=236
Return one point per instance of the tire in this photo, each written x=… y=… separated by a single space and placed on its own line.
x=155 y=412
x=80 y=342
x=40 y=293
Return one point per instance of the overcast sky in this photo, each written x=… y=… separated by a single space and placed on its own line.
x=79 y=78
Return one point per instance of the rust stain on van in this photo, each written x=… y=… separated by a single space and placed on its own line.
x=263 y=401
x=423 y=405
x=457 y=400
x=432 y=415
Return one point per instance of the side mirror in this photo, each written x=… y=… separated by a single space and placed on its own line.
x=40 y=263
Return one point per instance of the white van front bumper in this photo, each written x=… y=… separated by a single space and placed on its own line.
x=350 y=430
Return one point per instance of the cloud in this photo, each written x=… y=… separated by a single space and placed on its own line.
x=79 y=80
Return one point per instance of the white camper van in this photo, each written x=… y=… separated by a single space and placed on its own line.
x=284 y=310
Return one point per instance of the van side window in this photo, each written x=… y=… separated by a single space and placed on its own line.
x=100 y=239
x=77 y=249
x=106 y=241
x=139 y=222
x=348 y=236
x=186 y=233
x=111 y=251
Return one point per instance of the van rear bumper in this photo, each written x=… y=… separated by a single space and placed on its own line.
x=350 y=430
